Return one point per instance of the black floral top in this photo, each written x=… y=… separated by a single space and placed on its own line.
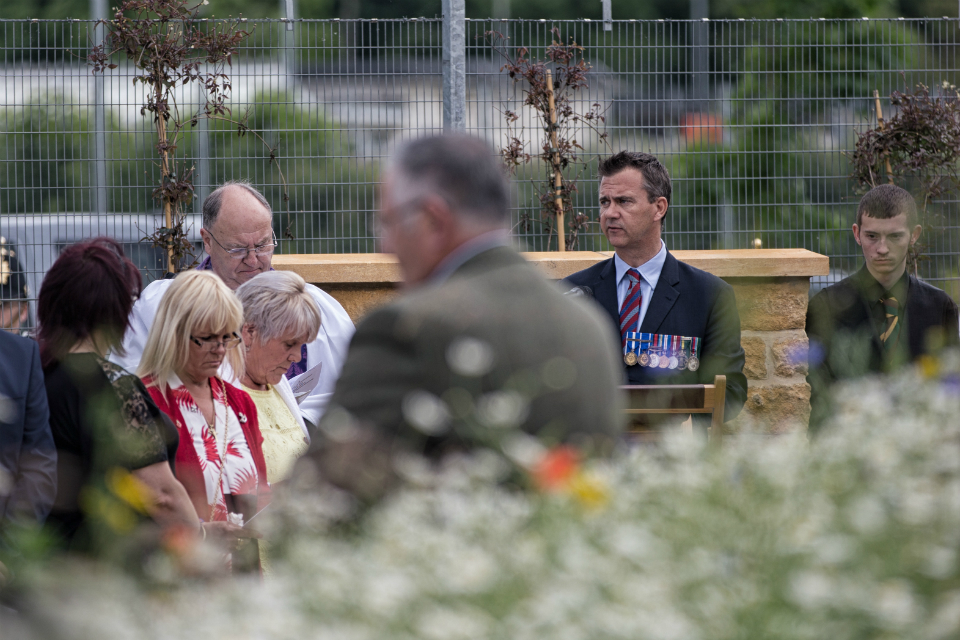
x=103 y=420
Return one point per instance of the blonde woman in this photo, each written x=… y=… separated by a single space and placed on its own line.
x=279 y=317
x=220 y=457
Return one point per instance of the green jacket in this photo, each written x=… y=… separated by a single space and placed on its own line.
x=495 y=348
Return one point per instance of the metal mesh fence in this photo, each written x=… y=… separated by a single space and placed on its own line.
x=753 y=119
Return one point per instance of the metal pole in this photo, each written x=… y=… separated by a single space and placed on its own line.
x=454 y=66
x=607 y=15
x=289 y=41
x=700 y=10
x=98 y=11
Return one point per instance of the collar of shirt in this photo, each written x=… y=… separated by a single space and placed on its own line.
x=469 y=249
x=649 y=272
x=874 y=291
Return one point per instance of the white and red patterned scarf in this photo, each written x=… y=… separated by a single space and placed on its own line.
x=239 y=474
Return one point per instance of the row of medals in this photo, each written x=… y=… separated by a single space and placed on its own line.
x=662 y=360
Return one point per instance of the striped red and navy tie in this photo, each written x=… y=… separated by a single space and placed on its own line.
x=630 y=311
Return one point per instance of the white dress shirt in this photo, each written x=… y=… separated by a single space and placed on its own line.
x=649 y=276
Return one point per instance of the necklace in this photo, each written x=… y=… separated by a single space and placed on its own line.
x=223 y=455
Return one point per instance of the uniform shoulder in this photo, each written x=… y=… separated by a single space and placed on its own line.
x=689 y=271
x=588 y=275
x=934 y=293
x=9 y=341
x=842 y=290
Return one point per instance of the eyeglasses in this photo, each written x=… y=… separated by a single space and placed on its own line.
x=212 y=343
x=240 y=253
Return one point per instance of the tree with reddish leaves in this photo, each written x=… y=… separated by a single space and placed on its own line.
x=170 y=47
x=550 y=89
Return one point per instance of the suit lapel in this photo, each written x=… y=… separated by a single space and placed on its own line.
x=664 y=296
x=605 y=291
x=913 y=309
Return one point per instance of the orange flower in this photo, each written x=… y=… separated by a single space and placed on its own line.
x=179 y=539
x=556 y=468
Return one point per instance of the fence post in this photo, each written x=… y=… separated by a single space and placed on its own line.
x=454 y=66
x=607 y=15
x=98 y=11
x=202 y=178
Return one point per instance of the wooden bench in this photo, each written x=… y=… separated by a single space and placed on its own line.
x=678 y=400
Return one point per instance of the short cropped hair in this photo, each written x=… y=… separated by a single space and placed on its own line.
x=888 y=201
x=195 y=300
x=277 y=304
x=656 y=180
x=87 y=293
x=463 y=170
x=213 y=202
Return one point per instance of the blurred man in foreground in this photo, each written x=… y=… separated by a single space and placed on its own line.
x=481 y=350
x=881 y=317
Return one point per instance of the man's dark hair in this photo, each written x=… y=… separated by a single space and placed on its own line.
x=463 y=170
x=656 y=180
x=213 y=202
x=90 y=288
x=888 y=201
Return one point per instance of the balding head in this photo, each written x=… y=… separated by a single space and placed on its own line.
x=237 y=216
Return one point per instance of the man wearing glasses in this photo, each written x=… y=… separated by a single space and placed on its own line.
x=239 y=242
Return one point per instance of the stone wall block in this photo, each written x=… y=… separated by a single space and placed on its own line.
x=756 y=351
x=774 y=409
x=771 y=305
x=790 y=355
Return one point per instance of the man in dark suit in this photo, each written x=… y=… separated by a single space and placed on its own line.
x=880 y=317
x=28 y=456
x=481 y=350
x=677 y=324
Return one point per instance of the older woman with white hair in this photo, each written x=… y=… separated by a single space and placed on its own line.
x=279 y=317
x=220 y=458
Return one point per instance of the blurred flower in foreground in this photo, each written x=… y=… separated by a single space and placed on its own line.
x=559 y=471
x=554 y=471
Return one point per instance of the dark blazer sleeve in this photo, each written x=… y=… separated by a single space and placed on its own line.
x=723 y=354
x=951 y=324
x=819 y=328
x=35 y=485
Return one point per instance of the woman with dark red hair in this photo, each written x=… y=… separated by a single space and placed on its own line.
x=115 y=448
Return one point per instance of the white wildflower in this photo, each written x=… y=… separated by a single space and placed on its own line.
x=811 y=590
x=470 y=357
x=425 y=412
x=502 y=409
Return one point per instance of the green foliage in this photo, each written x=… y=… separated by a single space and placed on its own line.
x=817 y=61
x=812 y=9
x=786 y=84
x=42 y=152
x=284 y=139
